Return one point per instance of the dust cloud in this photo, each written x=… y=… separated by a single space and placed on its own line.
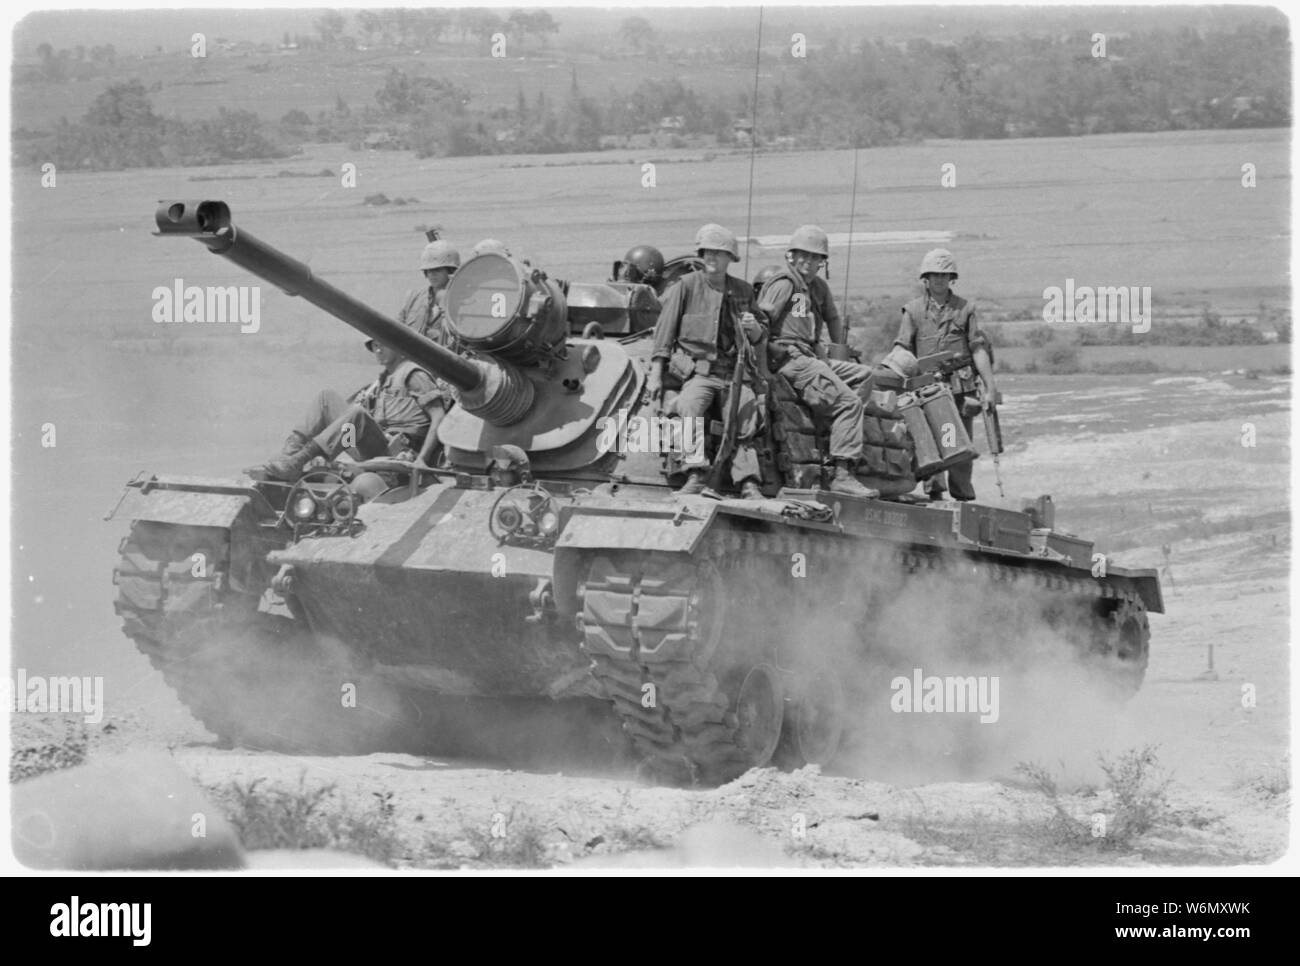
x=292 y=692
x=1023 y=692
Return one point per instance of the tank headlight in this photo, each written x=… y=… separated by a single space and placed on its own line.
x=509 y=518
x=549 y=523
x=304 y=508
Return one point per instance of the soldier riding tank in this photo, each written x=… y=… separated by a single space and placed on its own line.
x=548 y=559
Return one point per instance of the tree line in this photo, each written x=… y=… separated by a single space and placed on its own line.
x=864 y=93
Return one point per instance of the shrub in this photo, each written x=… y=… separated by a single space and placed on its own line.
x=1059 y=359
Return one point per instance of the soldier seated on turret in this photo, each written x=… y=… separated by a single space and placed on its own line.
x=799 y=303
x=705 y=317
x=396 y=415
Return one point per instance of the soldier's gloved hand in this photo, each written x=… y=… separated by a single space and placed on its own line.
x=749 y=325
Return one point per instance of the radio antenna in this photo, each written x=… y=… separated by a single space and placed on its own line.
x=853 y=204
x=753 y=143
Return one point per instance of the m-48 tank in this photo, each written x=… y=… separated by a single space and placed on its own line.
x=546 y=562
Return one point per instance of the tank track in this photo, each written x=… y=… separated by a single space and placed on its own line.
x=651 y=645
x=657 y=620
x=246 y=676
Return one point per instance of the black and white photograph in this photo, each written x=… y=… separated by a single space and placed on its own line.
x=618 y=440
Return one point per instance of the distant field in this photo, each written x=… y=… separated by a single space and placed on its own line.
x=312 y=81
x=1170 y=358
x=1165 y=210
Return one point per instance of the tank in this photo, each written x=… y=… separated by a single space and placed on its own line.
x=546 y=571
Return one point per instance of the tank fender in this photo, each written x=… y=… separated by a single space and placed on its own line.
x=1147 y=585
x=186 y=502
x=619 y=529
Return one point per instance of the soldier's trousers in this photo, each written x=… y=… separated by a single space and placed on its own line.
x=828 y=388
x=336 y=425
x=958 y=483
x=696 y=397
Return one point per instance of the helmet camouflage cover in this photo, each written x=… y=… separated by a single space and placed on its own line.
x=810 y=238
x=938 y=261
x=716 y=238
x=489 y=245
x=439 y=254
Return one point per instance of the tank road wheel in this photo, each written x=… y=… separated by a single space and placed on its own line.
x=814 y=722
x=1121 y=641
x=760 y=709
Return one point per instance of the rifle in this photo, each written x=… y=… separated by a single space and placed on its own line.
x=993 y=433
x=744 y=358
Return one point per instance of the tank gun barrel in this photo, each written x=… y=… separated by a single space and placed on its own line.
x=494 y=390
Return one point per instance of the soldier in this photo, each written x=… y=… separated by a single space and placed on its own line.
x=392 y=416
x=799 y=303
x=696 y=336
x=423 y=310
x=643 y=264
x=938 y=321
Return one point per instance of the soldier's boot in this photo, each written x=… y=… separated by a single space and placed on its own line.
x=845 y=482
x=288 y=468
x=694 y=484
x=749 y=490
x=294 y=443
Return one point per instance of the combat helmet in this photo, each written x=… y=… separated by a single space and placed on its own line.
x=716 y=238
x=900 y=361
x=489 y=245
x=439 y=254
x=938 y=261
x=765 y=275
x=810 y=238
x=643 y=263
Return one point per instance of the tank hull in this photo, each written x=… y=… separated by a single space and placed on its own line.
x=651 y=612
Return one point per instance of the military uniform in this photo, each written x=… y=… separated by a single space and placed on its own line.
x=799 y=310
x=387 y=417
x=424 y=313
x=930 y=326
x=696 y=334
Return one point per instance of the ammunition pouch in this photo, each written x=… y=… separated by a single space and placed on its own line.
x=962 y=382
x=680 y=365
